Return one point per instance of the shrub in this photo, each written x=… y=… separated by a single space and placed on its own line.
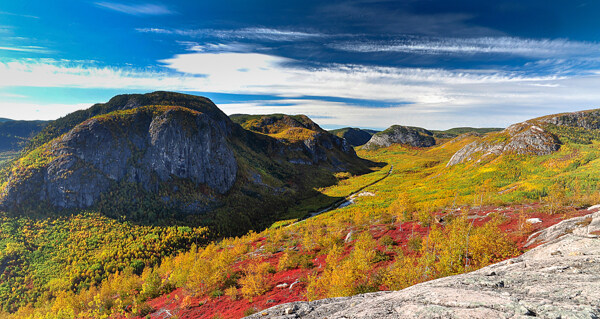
x=255 y=281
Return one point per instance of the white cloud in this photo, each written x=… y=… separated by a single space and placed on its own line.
x=31 y=111
x=470 y=46
x=28 y=48
x=439 y=98
x=268 y=34
x=136 y=9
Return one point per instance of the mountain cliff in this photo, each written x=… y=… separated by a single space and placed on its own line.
x=151 y=156
x=539 y=136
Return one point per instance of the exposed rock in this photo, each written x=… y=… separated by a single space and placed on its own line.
x=589 y=120
x=521 y=138
x=397 y=134
x=540 y=283
x=533 y=220
x=583 y=226
x=148 y=146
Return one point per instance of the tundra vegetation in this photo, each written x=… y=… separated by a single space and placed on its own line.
x=424 y=221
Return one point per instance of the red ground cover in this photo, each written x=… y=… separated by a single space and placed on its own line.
x=181 y=304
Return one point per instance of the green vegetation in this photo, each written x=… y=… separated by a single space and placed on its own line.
x=40 y=259
x=454 y=132
x=397 y=232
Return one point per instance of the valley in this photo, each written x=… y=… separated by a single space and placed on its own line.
x=409 y=206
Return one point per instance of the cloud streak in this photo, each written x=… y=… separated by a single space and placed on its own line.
x=146 y=9
x=471 y=46
x=434 y=98
x=29 y=48
x=265 y=34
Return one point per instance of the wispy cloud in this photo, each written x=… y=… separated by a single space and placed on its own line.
x=137 y=9
x=437 y=98
x=19 y=15
x=28 y=48
x=267 y=34
x=470 y=46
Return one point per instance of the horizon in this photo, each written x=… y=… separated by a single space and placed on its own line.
x=368 y=64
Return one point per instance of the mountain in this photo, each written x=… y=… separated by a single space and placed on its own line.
x=156 y=156
x=302 y=140
x=539 y=136
x=15 y=134
x=398 y=134
x=413 y=220
x=354 y=136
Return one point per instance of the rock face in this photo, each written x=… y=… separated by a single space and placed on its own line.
x=354 y=136
x=147 y=146
x=589 y=120
x=521 y=138
x=397 y=134
x=558 y=279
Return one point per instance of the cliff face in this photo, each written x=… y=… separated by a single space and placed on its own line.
x=157 y=155
x=539 y=136
x=148 y=146
x=397 y=134
x=522 y=138
x=558 y=279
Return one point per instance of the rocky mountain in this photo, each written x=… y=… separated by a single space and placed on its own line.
x=397 y=134
x=539 y=136
x=354 y=136
x=167 y=152
x=558 y=279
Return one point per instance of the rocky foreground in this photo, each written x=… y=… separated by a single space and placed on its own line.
x=558 y=279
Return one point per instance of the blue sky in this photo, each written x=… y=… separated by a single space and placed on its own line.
x=369 y=63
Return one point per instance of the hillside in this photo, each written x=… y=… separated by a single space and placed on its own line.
x=125 y=147
x=354 y=136
x=422 y=221
x=556 y=280
x=455 y=132
x=398 y=134
x=14 y=135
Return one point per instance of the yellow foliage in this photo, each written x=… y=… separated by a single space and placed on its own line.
x=255 y=281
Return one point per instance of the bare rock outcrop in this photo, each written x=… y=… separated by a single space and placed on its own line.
x=398 y=134
x=559 y=279
x=521 y=138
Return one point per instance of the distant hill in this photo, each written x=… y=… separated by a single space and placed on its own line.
x=15 y=134
x=454 y=132
x=354 y=136
x=148 y=157
x=398 y=134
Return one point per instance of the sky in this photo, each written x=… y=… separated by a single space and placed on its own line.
x=363 y=63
